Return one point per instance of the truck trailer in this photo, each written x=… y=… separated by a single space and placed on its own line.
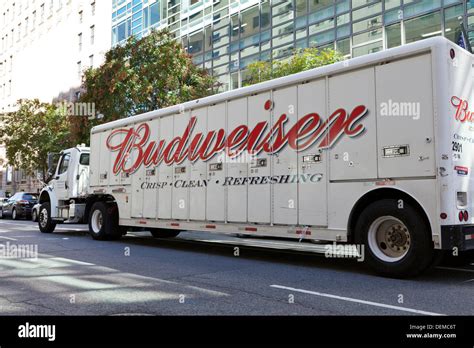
x=374 y=151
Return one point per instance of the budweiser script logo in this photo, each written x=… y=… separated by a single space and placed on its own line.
x=463 y=114
x=308 y=130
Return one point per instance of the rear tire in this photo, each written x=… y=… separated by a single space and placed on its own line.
x=397 y=241
x=163 y=233
x=34 y=216
x=45 y=223
x=103 y=222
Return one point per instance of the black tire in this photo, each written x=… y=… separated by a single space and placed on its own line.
x=1 y=213
x=34 y=216
x=45 y=223
x=412 y=250
x=14 y=214
x=103 y=222
x=163 y=233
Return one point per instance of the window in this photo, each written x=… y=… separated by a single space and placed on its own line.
x=29 y=196
x=84 y=159
x=64 y=164
x=423 y=27
x=92 y=34
x=250 y=22
x=154 y=13
x=79 y=41
x=93 y=8
x=451 y=21
x=121 y=31
x=393 y=34
x=91 y=60
x=80 y=16
x=79 y=69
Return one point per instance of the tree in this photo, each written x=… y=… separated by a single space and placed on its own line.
x=33 y=131
x=143 y=75
x=301 y=60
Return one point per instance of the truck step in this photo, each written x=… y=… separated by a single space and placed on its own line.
x=304 y=246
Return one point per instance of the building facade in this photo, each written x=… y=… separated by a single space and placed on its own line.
x=225 y=36
x=44 y=47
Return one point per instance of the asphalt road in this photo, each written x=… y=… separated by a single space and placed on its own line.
x=75 y=275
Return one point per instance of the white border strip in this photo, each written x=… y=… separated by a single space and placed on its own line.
x=376 y=304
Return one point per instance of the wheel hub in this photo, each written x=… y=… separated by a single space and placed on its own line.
x=389 y=238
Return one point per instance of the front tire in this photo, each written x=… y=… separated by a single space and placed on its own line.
x=396 y=240
x=1 y=213
x=103 y=222
x=163 y=233
x=45 y=223
x=14 y=214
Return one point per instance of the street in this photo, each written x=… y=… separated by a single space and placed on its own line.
x=75 y=275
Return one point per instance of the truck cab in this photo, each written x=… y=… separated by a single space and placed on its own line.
x=63 y=199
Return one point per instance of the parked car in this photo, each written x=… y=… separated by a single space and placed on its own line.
x=35 y=212
x=19 y=205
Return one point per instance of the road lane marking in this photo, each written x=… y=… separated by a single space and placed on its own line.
x=8 y=238
x=349 y=299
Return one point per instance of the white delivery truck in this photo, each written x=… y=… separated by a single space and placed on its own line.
x=375 y=150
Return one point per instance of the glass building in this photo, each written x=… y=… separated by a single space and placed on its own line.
x=224 y=36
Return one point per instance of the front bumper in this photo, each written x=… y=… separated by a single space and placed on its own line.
x=457 y=236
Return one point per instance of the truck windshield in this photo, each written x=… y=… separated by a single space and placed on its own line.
x=84 y=160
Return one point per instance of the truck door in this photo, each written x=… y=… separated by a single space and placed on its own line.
x=137 y=179
x=237 y=167
x=312 y=163
x=94 y=160
x=355 y=157
x=215 y=201
x=180 y=205
x=405 y=142
x=165 y=172
x=285 y=161
x=150 y=190
x=259 y=194
x=198 y=174
x=105 y=159
x=61 y=180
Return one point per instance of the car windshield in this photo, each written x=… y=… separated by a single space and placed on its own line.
x=30 y=197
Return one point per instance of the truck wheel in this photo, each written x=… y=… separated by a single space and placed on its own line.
x=45 y=223
x=163 y=233
x=14 y=214
x=397 y=241
x=103 y=222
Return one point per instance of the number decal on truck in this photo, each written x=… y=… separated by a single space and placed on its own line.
x=457 y=147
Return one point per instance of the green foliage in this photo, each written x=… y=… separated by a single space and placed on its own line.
x=301 y=60
x=143 y=75
x=33 y=131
